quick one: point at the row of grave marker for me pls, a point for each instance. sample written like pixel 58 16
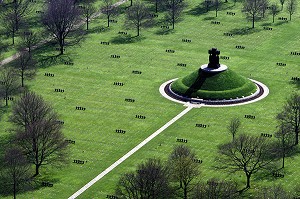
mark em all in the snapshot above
pixel 70 141
pixel 78 161
pixel 47 184
pixel 266 135
pixel 80 108
pixel 118 83
pixel 201 125
pixel 181 140
pixel 250 116
pixel 9 98
pixel 296 78
pixel 59 90
pixel 49 74
pixel 129 100
pixel 120 131
pixel 140 117
pixel 111 197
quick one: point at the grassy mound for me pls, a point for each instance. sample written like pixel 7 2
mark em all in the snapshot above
pixel 204 85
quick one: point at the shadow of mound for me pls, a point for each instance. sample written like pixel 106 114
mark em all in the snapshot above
pixel 126 39
pixel 209 18
pixel 244 31
pixel 198 10
pixel 164 31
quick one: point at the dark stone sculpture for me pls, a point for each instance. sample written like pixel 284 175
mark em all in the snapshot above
pixel 213 58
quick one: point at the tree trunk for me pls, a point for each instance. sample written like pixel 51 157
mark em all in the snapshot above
pixel 107 20
pixel 37 170
pixel 248 181
pixel 6 98
pixel 15 189
pixel 185 192
pixel 156 6
pixel 296 135
pixel 87 23
pixel 273 18
pixel 290 17
pixel 253 19
pixel 216 13
pixel 22 78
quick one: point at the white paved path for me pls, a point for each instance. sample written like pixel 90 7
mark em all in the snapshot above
pixel 132 151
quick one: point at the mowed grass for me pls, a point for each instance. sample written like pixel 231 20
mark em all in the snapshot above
pixel 89 83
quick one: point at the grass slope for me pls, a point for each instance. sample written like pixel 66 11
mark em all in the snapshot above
pixel 204 85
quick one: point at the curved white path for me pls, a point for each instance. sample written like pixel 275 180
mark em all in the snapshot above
pixel 132 151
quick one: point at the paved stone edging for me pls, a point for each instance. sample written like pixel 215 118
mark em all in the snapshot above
pixel 261 93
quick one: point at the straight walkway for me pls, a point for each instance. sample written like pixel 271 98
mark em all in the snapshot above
pixel 132 151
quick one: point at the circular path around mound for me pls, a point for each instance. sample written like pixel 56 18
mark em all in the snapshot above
pixel 262 92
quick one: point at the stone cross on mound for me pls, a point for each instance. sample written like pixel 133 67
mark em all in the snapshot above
pixel 213 58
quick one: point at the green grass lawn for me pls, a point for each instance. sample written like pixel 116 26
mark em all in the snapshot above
pixel 89 83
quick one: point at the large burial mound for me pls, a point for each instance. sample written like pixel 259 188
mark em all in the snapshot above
pixel 213 81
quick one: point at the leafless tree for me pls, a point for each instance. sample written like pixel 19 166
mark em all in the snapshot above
pixel 253 9
pixel 25 67
pixel 16 169
pixel 60 18
pixel 149 181
pixel 290 116
pixel 109 10
pixel 285 140
pixel 8 83
pixel 291 7
pixel 9 24
pixel 87 10
pixel 157 3
pixel 282 3
pixel 216 189
pixel 274 10
pixel 245 153
pixel 274 192
pixel 174 10
pixel 265 7
pixel 184 169
pixel 217 5
pixel 207 4
pixel 29 40
pixel 138 16
pixel 234 126
pixel 38 131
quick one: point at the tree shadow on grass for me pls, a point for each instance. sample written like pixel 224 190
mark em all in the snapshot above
pixel 244 31
pixel 126 39
pixel 296 83
pixel 198 10
pixel 98 29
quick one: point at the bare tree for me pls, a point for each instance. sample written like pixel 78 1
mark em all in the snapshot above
pixel 245 153
pixel 274 10
pixel 253 9
pixel 149 181
pixel 16 171
pixel 29 40
pixel 216 189
pixel 234 126
pixel 217 5
pixel 282 3
pixel 8 83
pixel 138 16
pixel 88 9
pixel 109 10
pixel 184 170
pixel 9 24
pixel 25 67
pixel 174 10
pixel 291 115
pixel 157 3
pixel 274 192
pixel 60 18
pixel 38 131
pixel 291 7
pixel 207 4
pixel 285 140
